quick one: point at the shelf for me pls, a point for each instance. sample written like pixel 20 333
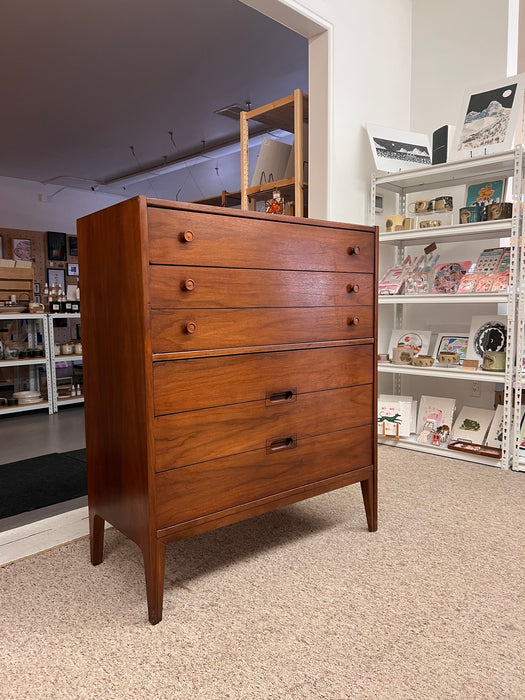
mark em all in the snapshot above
pixel 66 358
pixel 411 443
pixel 484 230
pixel 70 400
pixel 23 362
pixel 24 407
pixel 443 373
pixel 21 317
pixel 75 314
pixel 449 174
pixel 491 298
pixel 279 114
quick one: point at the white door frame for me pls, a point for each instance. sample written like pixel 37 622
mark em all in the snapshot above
pixel 319 33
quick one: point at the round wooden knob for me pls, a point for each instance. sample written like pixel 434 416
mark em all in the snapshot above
pixel 188 236
pixel 352 288
pixel 189 285
pixel 191 327
pixel 353 321
pixel 354 250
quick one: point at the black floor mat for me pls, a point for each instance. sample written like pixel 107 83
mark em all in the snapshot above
pixel 42 481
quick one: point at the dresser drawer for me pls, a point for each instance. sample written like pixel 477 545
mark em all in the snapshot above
pixel 196 436
pixel 229 241
pixel 209 487
pixel 203 329
pixel 216 287
pixel 185 385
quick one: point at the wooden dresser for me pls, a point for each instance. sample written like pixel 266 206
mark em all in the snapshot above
pixel 229 368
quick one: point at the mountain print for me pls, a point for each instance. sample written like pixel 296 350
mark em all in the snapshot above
pixel 488 126
pixel 488 117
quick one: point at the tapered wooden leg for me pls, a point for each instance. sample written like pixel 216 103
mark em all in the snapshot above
pixel 154 562
pixel 368 489
pixel 96 537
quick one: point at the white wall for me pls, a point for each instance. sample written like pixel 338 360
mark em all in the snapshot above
pixel 455 45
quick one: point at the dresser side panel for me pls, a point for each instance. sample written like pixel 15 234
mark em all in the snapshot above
pixel 117 373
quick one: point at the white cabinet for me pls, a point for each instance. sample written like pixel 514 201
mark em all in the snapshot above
pixel 399 311
pixel 25 373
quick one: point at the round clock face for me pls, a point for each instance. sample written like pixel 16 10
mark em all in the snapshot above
pixel 491 336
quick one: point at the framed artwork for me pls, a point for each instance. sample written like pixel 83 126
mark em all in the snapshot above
pixel 395 150
pixel 488 117
pixel 495 434
pixel 394 415
pixel 72 269
pixel 485 193
pixel 419 341
pixel 36 288
pixel 486 333
pixel 472 424
pixel 436 409
pixel 522 433
pixel 56 246
pixel 73 246
pixel 450 342
pixel 22 249
pixel 55 277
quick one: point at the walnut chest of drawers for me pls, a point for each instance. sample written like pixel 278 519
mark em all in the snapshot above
pixel 229 368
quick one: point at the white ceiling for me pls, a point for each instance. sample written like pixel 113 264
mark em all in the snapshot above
pixel 84 80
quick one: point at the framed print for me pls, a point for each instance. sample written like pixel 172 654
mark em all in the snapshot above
pixel 488 118
pixel 72 269
pixel 395 150
pixel 22 249
pixel 55 277
pixel 73 246
pixel 485 193
pixel 472 424
pixel 495 434
pixel 486 333
pixel 419 341
pixel 394 416
pixel 437 410
pixel 56 246
pixel 450 342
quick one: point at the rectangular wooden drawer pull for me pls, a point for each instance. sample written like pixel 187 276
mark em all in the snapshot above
pixel 280 444
pixel 274 397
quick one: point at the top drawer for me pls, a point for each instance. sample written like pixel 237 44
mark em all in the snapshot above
pixel 193 238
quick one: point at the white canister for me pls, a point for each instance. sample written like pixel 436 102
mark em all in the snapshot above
pixel 78 348
pixel 57 350
pixel 67 349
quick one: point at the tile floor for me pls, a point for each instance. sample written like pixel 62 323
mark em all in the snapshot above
pixel 30 435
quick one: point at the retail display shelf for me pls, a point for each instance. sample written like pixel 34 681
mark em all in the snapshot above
pixel 23 362
pixel 64 401
pixel 494 298
pixel 67 358
pixel 484 230
pixel 24 407
pixel 442 372
pixel 411 443
pixel 486 167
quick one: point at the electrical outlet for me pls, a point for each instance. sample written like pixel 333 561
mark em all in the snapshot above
pixel 476 389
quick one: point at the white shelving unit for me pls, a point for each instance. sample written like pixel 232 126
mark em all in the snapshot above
pixel 54 359
pixel 36 323
pixel 505 165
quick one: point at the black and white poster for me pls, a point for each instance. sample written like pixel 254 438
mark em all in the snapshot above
pixel 398 150
pixel 488 118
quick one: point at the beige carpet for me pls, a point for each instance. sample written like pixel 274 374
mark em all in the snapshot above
pixel 299 603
